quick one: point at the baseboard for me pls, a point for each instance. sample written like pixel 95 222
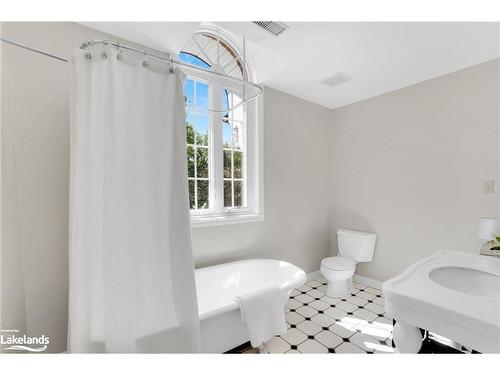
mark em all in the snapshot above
pixel 367 281
pixel 357 278
pixel 313 275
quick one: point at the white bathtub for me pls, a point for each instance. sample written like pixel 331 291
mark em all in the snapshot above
pixel 221 326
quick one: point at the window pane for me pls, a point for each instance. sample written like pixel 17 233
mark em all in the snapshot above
pixel 190 161
pixel 225 99
pixel 225 105
pixel 228 194
pixel 227 164
pixel 205 49
pixel 190 129
pixel 237 164
pixel 191 194
pixel 193 60
pixel 227 135
pixel 238 196
pixel 202 162
pixel 189 92
pixel 237 133
pixel 202 194
pixel 202 130
pixel 201 95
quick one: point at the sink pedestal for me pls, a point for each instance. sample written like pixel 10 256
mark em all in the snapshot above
pixel 408 338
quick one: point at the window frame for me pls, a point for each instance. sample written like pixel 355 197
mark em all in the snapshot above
pixel 216 214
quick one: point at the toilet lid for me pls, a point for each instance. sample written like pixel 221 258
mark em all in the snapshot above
pixel 338 263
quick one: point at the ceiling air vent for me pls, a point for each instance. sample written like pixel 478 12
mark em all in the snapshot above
pixel 273 27
pixel 336 80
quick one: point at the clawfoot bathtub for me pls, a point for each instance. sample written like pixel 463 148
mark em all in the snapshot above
pixel 221 326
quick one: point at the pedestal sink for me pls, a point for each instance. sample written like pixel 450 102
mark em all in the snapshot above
pixel 453 294
pixel 468 281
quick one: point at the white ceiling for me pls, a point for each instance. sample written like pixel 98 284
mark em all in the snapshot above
pixel 379 57
pixel 163 36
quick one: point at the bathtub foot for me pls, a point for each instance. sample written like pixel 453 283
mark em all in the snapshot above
pixel 263 349
pixel 408 338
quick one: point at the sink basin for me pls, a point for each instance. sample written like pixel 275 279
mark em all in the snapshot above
pixel 467 280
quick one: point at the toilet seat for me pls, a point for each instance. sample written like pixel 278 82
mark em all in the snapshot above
pixel 338 263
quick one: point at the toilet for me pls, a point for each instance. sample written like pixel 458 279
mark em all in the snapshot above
pixel 354 247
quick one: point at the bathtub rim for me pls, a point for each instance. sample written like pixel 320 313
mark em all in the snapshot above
pixel 286 288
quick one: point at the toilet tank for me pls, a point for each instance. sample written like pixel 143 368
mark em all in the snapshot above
pixel 355 245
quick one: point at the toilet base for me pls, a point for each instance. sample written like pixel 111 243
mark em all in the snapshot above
pixel 339 288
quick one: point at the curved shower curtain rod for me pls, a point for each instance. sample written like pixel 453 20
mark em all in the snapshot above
pixel 171 60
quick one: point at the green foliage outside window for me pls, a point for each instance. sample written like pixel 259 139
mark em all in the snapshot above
pixel 198 158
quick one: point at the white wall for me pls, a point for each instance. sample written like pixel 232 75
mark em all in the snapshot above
pixel 409 165
pixel 296 226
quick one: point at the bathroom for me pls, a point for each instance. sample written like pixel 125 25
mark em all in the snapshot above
pixel 316 189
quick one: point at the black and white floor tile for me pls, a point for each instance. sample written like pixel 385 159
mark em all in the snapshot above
pixel 320 324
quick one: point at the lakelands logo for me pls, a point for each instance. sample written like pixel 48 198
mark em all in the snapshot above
pixel 10 340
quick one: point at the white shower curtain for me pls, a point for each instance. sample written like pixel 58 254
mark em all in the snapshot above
pixel 131 270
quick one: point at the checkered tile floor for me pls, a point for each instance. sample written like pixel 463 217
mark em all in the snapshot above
pixel 320 324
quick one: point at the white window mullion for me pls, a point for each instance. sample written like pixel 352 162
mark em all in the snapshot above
pixel 244 160
pixel 250 174
pixel 217 153
pixel 195 151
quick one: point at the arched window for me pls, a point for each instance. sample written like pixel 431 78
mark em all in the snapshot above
pixel 222 144
pixel 213 53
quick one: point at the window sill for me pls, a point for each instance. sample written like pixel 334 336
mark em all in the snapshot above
pixel 210 221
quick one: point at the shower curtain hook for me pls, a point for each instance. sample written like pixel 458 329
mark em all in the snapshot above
pixel 88 55
pixel 104 55
pixel 145 62
pixel 119 56
pixel 171 65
